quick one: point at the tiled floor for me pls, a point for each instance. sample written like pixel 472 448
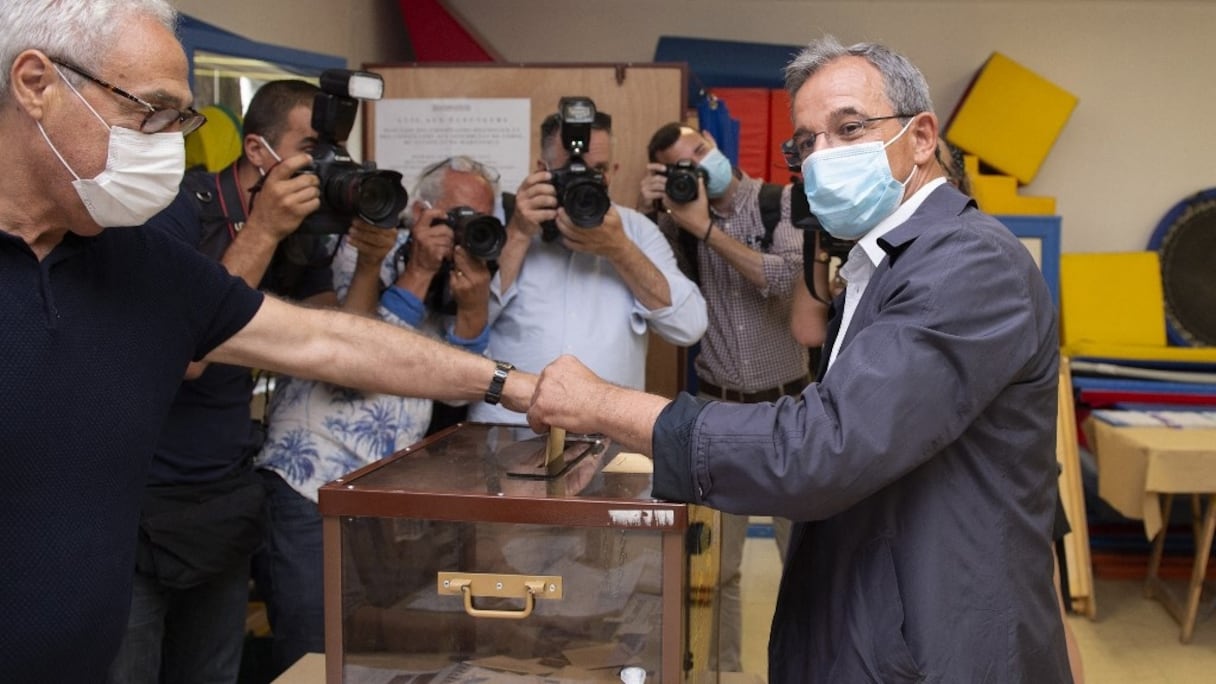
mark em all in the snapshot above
pixel 1133 639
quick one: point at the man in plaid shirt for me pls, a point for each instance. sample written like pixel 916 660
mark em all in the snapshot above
pixel 747 276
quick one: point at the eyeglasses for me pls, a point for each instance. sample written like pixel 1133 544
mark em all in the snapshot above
pixel 797 149
pixel 158 118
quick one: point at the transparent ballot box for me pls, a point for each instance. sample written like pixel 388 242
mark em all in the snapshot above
pixel 470 558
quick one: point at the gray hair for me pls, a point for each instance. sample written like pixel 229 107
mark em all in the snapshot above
pixel 430 181
pixel 77 31
pixel 904 84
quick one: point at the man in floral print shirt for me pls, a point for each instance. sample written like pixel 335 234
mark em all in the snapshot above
pixel 318 432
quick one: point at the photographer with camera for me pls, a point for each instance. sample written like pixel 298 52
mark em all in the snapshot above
pixel 736 237
pixel 202 509
pixel 580 274
pixel 318 432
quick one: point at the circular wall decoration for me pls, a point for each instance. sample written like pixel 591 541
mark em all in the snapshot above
pixel 1186 242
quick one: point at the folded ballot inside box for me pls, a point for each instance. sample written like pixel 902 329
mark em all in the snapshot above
pixel 471 554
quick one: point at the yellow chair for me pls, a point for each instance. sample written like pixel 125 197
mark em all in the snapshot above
pixel 217 144
pixel 1112 307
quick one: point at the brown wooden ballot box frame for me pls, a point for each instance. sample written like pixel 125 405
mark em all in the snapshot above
pixel 379 491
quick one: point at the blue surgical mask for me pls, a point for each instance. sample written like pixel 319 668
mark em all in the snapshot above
pixel 851 189
pixel 717 166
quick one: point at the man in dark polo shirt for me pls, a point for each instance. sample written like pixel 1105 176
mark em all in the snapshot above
pixel 98 325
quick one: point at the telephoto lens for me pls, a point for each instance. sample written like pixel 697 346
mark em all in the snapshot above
pixel 376 196
pixel 349 190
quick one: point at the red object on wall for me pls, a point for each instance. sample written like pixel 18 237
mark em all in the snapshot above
pixel 437 36
pixel 750 107
pixel 764 123
pixel 780 129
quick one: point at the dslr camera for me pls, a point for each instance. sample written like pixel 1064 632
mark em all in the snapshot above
pixel 801 217
pixel 348 188
pixel 481 235
pixel 682 180
pixel 581 190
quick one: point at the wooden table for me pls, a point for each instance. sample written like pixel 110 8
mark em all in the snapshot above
pixel 1140 470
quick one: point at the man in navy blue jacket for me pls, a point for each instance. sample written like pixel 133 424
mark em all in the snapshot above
pixel 920 469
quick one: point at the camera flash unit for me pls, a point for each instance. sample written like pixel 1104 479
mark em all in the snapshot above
pixel 361 85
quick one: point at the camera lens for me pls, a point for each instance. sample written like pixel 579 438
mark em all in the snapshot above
pixel 483 236
pixel 375 196
pixel 586 202
pixel 380 199
pixel 681 186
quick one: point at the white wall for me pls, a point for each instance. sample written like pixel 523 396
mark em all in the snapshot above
pixel 359 30
pixel 1138 142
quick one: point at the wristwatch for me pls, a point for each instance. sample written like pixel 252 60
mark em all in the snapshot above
pixel 494 393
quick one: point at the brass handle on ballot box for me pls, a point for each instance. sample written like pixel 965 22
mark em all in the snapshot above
pixel 489 585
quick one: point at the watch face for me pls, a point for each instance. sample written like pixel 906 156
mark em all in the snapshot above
pixel 494 393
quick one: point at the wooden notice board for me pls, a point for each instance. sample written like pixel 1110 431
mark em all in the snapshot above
pixel 640 98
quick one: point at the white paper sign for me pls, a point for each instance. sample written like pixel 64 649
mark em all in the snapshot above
pixel 412 134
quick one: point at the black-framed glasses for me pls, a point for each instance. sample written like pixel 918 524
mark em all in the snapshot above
pixel 798 148
pixel 158 118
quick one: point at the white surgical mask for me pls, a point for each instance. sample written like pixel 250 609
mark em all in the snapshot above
pixel 142 175
pixel 717 167
pixel 851 189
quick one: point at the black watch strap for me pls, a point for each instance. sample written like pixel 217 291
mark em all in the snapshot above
pixel 494 393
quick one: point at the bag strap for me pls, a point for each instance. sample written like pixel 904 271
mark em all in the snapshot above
pixel 770 211
pixel 508 207
pixel 211 193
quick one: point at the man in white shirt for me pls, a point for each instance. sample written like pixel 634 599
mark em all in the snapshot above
pixel 591 292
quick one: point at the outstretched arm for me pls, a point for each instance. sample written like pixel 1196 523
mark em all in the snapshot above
pixel 570 396
pixel 365 354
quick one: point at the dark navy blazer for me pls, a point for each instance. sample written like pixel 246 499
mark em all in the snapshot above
pixel 922 468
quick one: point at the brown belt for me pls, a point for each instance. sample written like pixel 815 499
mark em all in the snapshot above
pixel 789 389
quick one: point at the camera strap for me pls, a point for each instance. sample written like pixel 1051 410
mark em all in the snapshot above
pixel 212 197
pixel 508 207
pixel 228 188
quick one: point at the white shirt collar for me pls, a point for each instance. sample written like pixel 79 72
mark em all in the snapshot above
pixel 869 241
